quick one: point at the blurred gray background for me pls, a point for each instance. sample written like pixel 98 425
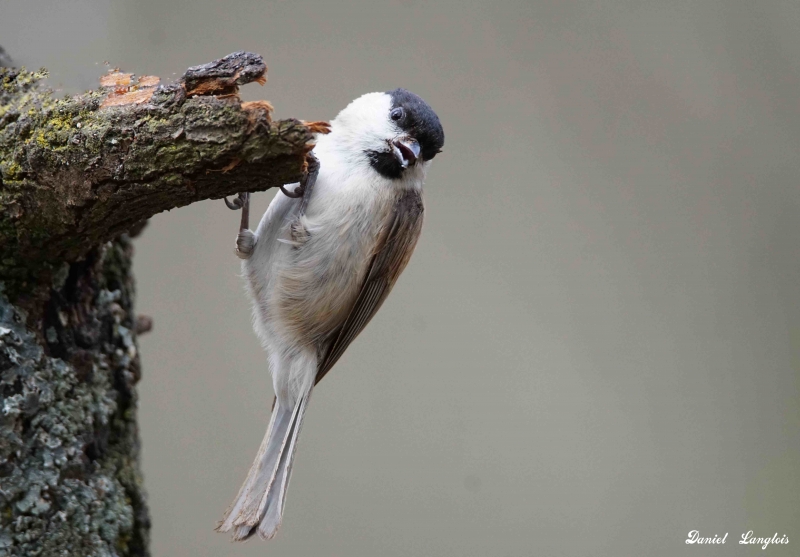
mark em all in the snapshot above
pixel 596 347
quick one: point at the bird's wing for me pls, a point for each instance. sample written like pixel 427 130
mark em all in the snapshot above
pixel 396 245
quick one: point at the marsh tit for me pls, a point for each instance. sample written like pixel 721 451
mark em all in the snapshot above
pixel 318 268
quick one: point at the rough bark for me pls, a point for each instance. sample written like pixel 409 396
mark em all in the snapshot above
pixel 76 175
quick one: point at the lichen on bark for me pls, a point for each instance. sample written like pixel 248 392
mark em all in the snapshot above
pixel 69 447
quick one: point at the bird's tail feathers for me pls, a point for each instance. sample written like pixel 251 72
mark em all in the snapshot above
pixel 261 500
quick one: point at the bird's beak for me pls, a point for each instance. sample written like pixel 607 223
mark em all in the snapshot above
pixel 406 149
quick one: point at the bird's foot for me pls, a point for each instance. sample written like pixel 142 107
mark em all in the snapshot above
pixel 245 244
pixel 310 173
pixel 298 191
pixel 238 202
pixel 245 240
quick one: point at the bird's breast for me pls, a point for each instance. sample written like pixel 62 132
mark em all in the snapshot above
pixel 332 246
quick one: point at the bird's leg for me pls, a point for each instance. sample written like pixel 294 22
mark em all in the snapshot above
pixel 309 179
pixel 310 173
pixel 245 222
pixel 245 240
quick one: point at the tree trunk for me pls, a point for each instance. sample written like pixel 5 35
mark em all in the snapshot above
pixel 78 177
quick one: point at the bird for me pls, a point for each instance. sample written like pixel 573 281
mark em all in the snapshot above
pixel 320 264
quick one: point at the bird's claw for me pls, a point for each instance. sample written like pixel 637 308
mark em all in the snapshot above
pixel 237 203
pixel 294 194
pixel 310 173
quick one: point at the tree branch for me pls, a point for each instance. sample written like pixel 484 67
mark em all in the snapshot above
pixel 75 173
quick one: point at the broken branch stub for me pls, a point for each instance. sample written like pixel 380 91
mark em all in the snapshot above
pixel 226 75
pixel 76 172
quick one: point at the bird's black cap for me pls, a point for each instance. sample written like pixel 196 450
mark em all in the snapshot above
pixel 419 121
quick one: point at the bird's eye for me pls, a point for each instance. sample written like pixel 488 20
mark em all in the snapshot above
pixel 397 113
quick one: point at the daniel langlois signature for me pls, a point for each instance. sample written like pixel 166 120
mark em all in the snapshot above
pixel 747 538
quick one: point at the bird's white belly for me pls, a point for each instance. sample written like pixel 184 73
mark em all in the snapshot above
pixel 326 265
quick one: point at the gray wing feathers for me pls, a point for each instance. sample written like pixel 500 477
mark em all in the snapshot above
pixel 396 247
pixel 366 306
